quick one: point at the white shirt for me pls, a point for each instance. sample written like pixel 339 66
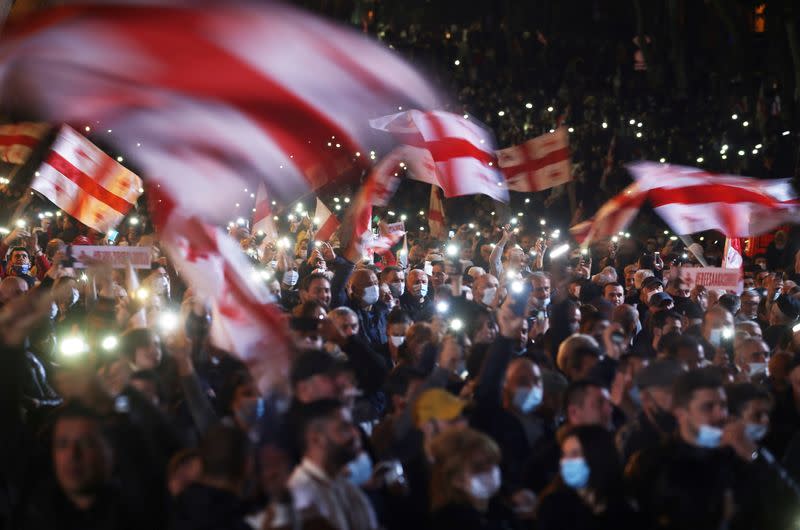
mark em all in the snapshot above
pixel 338 501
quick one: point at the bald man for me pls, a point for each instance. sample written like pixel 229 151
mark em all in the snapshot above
pixel 371 311
pixel 417 301
pixel 485 291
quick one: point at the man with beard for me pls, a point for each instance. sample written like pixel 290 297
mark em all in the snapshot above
pixel 318 486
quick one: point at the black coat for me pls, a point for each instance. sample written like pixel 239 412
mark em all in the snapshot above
pixel 465 517
pixel 201 507
pixel 562 509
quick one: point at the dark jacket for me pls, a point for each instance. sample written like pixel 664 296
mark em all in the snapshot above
pixel 637 435
pixel 464 517
pixel 562 509
pixel 49 509
pixel 418 311
pixel 202 507
pixel 371 322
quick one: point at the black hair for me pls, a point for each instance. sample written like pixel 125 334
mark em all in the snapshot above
pixel 690 382
pixel 575 393
pixel 313 412
pixel 398 316
pixel 600 453
pixel 133 339
pixel 685 341
pixel 224 451
pixel 305 283
pixel 659 318
pixel 19 249
pixel 612 284
pixel 740 394
pixel 228 390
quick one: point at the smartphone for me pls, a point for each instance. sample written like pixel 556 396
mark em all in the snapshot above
pixel 112 235
pixel 428 268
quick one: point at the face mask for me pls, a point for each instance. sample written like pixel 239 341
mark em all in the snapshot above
pixel 488 295
pixel 290 278
pixel 575 472
pixel 546 302
pixel 484 485
pixel 709 436
pixel 360 469
pixel 528 398
pixel 21 269
pixel 715 337
pixel 76 294
pixel 755 431
pixel 757 368
pixel 420 289
pixel 371 294
pixel 53 311
pixel 273 264
pixel 397 289
pixel 397 340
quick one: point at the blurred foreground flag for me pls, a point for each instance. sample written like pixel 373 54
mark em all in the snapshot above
pixel 209 98
pixel 693 200
pixel 17 140
pixel 461 150
pixel 78 177
pixel 613 217
pixel 538 164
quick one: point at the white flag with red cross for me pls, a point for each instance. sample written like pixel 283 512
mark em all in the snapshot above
pixel 538 164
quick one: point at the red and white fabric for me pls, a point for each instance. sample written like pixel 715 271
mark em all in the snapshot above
pixel 693 200
pixel 244 319
pixel 613 217
pixel 461 149
pixel 207 97
pixel 78 177
pixel 17 140
pixel 262 217
pixel 538 164
pixel 327 222
pixel 732 253
pixel 436 214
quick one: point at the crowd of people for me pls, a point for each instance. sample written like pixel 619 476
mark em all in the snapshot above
pixel 479 381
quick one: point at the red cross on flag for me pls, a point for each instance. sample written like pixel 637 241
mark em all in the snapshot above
pixel 17 140
pixel 262 218
pixel 327 222
pixel 436 214
pixel 538 164
pixel 85 182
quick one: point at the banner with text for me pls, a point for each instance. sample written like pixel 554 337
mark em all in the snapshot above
pixel 712 278
pixel 117 257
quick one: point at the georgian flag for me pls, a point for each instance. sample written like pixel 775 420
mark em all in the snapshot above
pixel 262 217
pixel 327 222
pixel 17 140
pixel 538 164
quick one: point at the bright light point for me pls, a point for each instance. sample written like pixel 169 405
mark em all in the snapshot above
pixel 513 220
pixel 638 135
pixel 138 144
pixel 501 113
pixel 492 213
pixel 252 195
pixel 338 207
pixel 615 239
pixel 527 201
pixel 422 212
pixel 542 222
pixel 549 109
pixel 632 122
pixel 119 159
pixel 724 157
pixel 266 275
pixel 73 346
pixel 666 232
pixel 298 208
pixel 520 214
pixel 571 130
pixel 699 159
pixel 347 199
pixel 604 125
pixel 745 123
pixel 403 217
pixel 734 116
pixel 456 324
pixel 528 105
pixel 275 217
pixel 673 238
pixel 516 286
pixel 134 221
pixel 290 217
pixel 466 116
pixel 109 131
pixel 662 160
pixel 457 62
pixel 639 124
pixel 358 153
pixel 142 293
pixel 740 153
pixel 755 151
pixel 421 228
pixel 338 146
pixel 558 251
pixel 390 212
pixel 168 322
pixel 725 147
pixel 109 343
pixel 785 133
pixel 759 146
pixel 20 223
pixel 552 130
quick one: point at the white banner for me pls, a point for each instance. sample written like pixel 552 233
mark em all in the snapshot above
pixel 117 257
pixel 712 278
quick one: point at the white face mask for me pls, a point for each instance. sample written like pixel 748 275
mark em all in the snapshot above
pixel 397 340
pixel 371 294
pixel 76 294
pixel 290 278
pixel 546 302
pixel 715 337
pixel 273 264
pixel 483 486
pixel 420 289
pixel 53 311
pixel 757 368
pixel 397 289
pixel 488 295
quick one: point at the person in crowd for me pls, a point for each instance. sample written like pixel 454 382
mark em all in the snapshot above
pixel 614 293
pixel 370 311
pixel 589 490
pixel 748 311
pixel 417 300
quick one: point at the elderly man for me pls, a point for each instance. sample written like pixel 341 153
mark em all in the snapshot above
pixel 748 310
pixel 417 301
pixel 750 358
pixel 371 311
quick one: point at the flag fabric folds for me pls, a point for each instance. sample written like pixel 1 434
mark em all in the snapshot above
pixel 461 149
pixel 538 164
pixel 17 140
pixel 85 182
pixel 327 222
pixel 262 217
pixel 693 200
pixel 207 98
pixel 436 214
pixel 613 217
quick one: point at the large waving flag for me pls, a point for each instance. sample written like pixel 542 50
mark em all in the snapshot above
pixel 436 214
pixel 78 177
pixel 262 217
pixel 693 200
pixel 613 217
pixel 461 149
pixel 327 222
pixel 209 98
pixel 538 164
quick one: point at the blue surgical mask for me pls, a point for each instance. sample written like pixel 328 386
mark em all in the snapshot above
pixel 360 469
pixel 709 437
pixel 528 398
pixel 755 431
pixel 575 472
pixel 21 269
